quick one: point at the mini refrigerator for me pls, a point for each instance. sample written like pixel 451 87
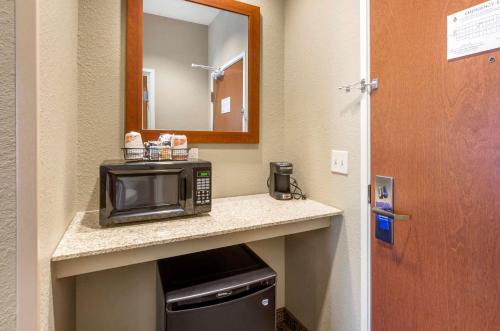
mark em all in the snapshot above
pixel 225 289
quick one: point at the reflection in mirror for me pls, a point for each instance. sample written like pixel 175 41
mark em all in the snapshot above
pixel 194 67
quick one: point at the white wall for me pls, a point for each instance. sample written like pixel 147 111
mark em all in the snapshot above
pixel 8 159
pixel 321 53
pixel 182 96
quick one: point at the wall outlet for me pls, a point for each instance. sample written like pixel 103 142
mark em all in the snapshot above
pixel 340 162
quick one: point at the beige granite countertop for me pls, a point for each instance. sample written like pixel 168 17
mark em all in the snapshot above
pixel 84 236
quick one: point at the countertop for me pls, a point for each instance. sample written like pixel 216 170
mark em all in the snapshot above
pixel 84 237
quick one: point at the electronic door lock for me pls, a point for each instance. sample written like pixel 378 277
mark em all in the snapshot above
pixel 382 192
pixel 384 209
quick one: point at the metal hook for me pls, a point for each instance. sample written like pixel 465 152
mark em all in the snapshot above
pixel 362 85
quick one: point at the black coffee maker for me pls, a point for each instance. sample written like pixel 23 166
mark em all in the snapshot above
pixel 279 180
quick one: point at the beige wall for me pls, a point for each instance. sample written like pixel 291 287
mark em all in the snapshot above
pixel 82 103
pixel 237 169
pixel 81 116
pixel 326 297
pixel 101 92
pixel 121 299
pixel 243 169
pixel 227 38
pixel 57 131
pixel 27 154
pixel 321 53
pixel 124 299
pixel 182 97
pixel 8 173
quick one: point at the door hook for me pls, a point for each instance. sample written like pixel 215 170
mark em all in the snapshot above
pixel 362 85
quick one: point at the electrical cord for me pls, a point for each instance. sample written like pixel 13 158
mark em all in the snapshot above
pixel 296 191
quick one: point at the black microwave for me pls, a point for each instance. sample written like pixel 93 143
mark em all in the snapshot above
pixel 143 191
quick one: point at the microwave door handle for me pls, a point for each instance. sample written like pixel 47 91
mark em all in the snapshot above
pixel 183 188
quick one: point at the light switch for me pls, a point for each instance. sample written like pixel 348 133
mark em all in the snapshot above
pixel 340 162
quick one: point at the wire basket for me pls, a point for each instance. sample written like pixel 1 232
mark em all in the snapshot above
pixel 134 154
pixel 156 153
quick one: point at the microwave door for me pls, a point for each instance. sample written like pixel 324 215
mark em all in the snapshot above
pixel 160 194
pixel 139 193
pixel 156 189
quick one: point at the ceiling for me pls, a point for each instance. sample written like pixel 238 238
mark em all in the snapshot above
pixel 181 10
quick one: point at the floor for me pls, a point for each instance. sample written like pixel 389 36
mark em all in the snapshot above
pixel 282 327
pixel 287 322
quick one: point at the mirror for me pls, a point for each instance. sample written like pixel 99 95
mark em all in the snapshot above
pixel 195 69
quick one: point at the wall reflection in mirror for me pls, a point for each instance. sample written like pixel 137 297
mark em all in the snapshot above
pixel 194 67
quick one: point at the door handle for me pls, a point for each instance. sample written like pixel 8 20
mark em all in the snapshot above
pixel 396 217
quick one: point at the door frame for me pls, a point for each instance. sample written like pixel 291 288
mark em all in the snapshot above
pixel 150 76
pixel 365 175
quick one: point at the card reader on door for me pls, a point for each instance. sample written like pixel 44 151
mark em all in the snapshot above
pixel 384 200
pixel 384 205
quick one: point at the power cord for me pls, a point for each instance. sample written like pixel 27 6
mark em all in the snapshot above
pixel 296 191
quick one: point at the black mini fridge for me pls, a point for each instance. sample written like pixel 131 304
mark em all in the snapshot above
pixel 225 289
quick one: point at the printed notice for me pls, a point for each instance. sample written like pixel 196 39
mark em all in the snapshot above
pixel 474 30
pixel 225 105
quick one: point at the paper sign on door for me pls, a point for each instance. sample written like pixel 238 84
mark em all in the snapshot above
pixel 225 105
pixel 474 30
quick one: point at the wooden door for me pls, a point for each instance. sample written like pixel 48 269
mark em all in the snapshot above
pixel 436 130
pixel 229 89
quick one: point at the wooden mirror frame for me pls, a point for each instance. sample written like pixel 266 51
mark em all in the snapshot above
pixel 134 68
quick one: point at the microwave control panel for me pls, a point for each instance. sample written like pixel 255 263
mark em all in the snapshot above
pixel 203 186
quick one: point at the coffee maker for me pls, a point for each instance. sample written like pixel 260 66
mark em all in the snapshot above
pixel 279 180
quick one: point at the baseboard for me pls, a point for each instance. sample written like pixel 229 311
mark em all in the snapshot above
pixel 280 315
pixel 286 321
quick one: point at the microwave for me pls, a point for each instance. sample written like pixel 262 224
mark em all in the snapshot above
pixel 144 191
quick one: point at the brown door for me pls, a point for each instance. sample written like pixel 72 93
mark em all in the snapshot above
pixel 436 130
pixel 228 99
